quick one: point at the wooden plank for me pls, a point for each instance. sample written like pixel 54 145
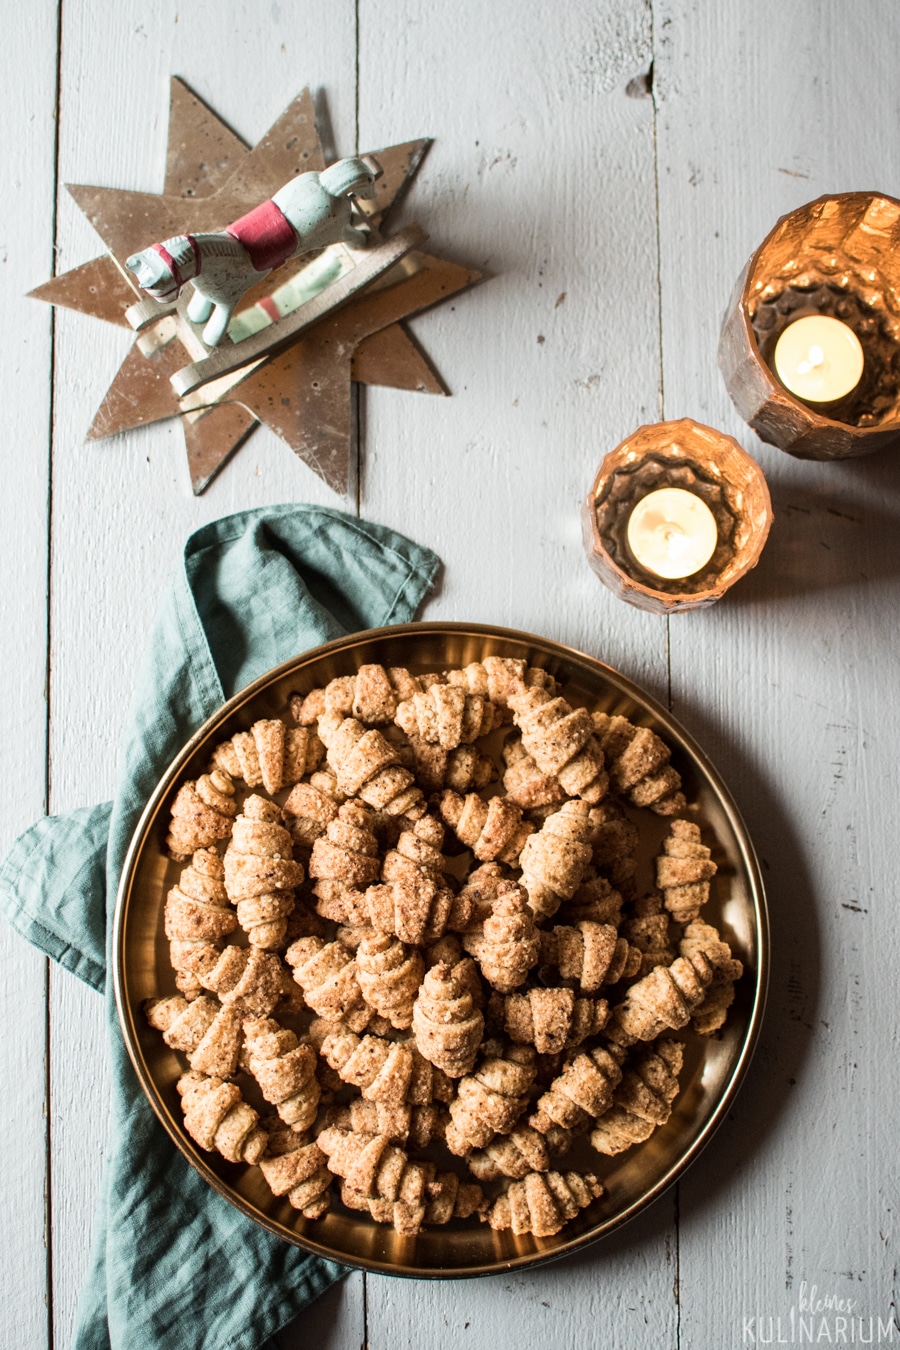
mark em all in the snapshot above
pixel 123 508
pixel 541 173
pixel 336 1321
pixel 27 168
pixel 786 684
pixel 617 1293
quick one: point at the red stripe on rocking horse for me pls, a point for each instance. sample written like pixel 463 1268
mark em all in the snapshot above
pixel 268 306
pixel 266 234
pixel 170 263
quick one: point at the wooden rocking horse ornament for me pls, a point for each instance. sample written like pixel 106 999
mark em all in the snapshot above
pixel 224 342
pixel 310 212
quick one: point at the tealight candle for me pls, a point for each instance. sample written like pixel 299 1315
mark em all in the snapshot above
pixel 672 533
pixel 677 513
pixel 836 256
pixel 819 359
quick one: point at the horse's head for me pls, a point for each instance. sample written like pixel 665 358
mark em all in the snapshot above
pixel 152 273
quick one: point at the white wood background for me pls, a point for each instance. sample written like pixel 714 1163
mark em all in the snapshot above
pixel 615 226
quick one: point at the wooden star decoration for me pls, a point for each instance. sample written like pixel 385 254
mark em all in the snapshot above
pixel 298 384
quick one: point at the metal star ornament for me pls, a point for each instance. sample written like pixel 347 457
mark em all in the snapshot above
pixel 298 338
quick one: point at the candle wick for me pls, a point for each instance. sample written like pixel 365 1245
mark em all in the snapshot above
pixel 816 358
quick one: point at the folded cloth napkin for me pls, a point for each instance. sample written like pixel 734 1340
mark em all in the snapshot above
pixel 175 1267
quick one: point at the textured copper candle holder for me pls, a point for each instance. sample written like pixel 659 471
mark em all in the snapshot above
pixel 837 256
pixel 688 455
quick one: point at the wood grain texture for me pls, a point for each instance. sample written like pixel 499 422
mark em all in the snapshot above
pixel 27 98
pixel 336 1321
pixel 602 313
pixel 123 508
pixel 620 1292
pixel 542 173
pixel 759 110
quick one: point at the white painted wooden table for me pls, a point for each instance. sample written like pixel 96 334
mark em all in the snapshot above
pixel 615 225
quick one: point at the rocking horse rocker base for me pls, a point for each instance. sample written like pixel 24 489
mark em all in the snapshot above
pixel 226 360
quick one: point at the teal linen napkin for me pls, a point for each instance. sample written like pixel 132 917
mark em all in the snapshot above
pixel 175 1267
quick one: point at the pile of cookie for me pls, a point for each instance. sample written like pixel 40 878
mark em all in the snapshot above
pixel 408 922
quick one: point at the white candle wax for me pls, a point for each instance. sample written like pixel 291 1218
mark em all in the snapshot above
pixel 819 358
pixel 672 533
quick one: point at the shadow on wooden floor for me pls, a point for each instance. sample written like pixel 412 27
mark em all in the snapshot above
pixel 791 1017
pixel 836 527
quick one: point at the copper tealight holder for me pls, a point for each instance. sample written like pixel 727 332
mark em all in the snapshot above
pixel 683 454
pixel 836 256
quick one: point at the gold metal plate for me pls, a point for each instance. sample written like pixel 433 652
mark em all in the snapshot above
pixel 713 1068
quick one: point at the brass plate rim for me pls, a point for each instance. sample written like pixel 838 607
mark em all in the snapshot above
pixel 564 655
